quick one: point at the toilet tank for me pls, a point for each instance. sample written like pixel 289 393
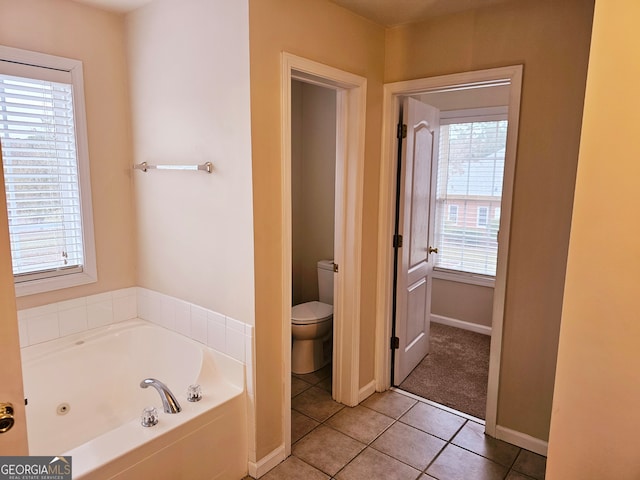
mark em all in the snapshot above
pixel 325 281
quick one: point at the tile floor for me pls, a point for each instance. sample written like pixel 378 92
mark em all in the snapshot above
pixel 392 436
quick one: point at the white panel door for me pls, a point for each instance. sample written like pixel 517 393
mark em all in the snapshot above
pixel 417 193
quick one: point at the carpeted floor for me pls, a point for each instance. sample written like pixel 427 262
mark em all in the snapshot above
pixel 455 372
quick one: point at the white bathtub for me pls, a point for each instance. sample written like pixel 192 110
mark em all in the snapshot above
pixel 85 400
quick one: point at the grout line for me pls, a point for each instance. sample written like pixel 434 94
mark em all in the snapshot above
pixel 367 445
pixel 450 441
pixel 468 418
pixel 447 443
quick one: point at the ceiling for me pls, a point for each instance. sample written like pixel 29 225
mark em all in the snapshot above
pixel 397 12
pixel 383 12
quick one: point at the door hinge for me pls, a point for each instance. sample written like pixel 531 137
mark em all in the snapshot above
pixel 335 267
pixel 397 241
pixel 402 130
pixel 395 343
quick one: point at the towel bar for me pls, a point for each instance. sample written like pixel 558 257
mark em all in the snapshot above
pixel 144 166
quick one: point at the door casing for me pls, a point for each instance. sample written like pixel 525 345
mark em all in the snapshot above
pixel 386 211
pixel 351 93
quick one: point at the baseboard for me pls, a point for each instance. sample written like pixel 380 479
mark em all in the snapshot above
pixel 522 440
pixel 454 322
pixel 262 466
pixel 367 390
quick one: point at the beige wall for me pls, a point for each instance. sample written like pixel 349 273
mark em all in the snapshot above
pixel 69 29
pixel 325 33
pixel 595 421
pixel 551 39
pixel 189 70
pixel 313 168
pixel 462 301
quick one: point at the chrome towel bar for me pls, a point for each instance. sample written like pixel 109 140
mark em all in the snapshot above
pixel 144 166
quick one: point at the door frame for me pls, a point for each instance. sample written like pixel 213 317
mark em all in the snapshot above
pixel 391 95
pixel 351 91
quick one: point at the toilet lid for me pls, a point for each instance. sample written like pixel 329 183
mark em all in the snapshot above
pixel 311 312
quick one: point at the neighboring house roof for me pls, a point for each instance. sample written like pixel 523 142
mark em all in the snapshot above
pixel 477 176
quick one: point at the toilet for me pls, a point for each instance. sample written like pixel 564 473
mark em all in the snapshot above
pixel 312 326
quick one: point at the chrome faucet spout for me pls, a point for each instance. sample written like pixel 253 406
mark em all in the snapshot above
pixel 169 401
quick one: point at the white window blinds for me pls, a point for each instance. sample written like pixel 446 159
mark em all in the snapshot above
pixel 469 183
pixel 40 160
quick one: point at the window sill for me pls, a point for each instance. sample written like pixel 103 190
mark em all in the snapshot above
pixel 462 277
pixel 43 285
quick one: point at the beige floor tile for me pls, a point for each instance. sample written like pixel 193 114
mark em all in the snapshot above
pixel 326 384
pixel 301 425
pixel 372 464
pixel 472 437
pixel 530 464
pixel 327 449
pixel 513 475
pixel 316 403
pixel 361 423
pixel 294 469
pixel 390 403
pixel 315 377
pixel 409 445
pixel 298 386
pixel 433 420
pixel 455 463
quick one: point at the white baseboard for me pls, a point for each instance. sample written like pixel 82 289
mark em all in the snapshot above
pixel 522 440
pixel 367 390
pixel 454 322
pixel 262 466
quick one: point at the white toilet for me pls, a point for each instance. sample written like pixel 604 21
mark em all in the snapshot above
pixel 312 326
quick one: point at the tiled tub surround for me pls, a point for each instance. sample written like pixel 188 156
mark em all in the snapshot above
pixel 48 322
pixel 55 320
pixel 57 328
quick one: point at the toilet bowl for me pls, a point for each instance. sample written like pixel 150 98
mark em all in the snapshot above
pixel 311 329
pixel 312 326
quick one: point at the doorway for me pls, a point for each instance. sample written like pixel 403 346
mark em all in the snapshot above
pixel 448 210
pixel 470 83
pixel 313 205
pixel 350 93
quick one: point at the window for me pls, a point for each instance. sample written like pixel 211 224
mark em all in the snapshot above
pixel 469 180
pixel 453 214
pixel 45 160
pixel 483 216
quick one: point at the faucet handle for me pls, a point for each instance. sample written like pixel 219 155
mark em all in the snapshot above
pixel 194 393
pixel 149 417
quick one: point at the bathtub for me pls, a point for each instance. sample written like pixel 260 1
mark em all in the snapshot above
pixel 84 400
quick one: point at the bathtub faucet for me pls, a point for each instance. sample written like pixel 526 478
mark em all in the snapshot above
pixel 169 402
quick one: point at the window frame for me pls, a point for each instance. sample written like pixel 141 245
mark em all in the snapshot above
pixel 470 115
pixel 89 273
